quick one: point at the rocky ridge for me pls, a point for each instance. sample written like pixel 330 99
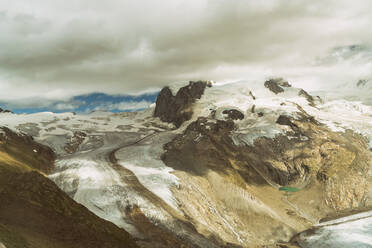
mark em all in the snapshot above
pixel 331 169
pixel 218 179
pixel 177 109
pixel 35 213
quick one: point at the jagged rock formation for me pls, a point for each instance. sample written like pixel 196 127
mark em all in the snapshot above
pixel 308 97
pixel 362 82
pixel 233 114
pixel 177 109
pixel 275 85
pixel 5 111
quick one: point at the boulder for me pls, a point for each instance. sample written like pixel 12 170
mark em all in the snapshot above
pixel 233 114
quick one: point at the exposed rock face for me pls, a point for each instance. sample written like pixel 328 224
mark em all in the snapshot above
pixel 275 85
pixel 177 109
pixel 286 121
pixel 362 82
pixel 233 114
pixel 75 142
pixel 25 149
pixel 5 111
pixel 283 83
pixel 308 97
pixel 332 171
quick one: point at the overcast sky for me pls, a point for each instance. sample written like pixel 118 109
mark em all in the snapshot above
pixel 57 49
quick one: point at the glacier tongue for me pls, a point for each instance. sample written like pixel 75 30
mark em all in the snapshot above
pixel 87 174
pixel 351 232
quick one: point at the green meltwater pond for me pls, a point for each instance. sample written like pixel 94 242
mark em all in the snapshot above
pixel 289 189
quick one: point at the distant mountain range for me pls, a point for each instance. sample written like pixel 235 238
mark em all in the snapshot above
pixel 90 102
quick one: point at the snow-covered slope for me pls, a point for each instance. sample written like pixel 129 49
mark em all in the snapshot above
pixel 333 108
pixel 86 174
pixel 352 232
pixel 112 162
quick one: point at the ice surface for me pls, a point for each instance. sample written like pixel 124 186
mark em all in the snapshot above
pixel 87 175
pixel 352 232
pixel 144 161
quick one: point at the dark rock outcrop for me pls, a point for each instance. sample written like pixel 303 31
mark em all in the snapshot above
pixel 5 111
pixel 208 133
pixel 309 153
pixel 233 114
pixel 286 121
pixel 273 86
pixel 308 97
pixel 178 109
pixel 362 82
pixel 276 84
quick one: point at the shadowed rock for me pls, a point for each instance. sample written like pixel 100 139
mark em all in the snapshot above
pixel 273 86
pixel 5 111
pixel 286 121
pixel 233 114
pixel 178 109
pixel 308 97
pixel 362 82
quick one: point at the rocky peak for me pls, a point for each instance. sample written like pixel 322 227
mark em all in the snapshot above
pixel 362 82
pixel 233 114
pixel 275 85
pixel 308 97
pixel 177 109
pixel 5 111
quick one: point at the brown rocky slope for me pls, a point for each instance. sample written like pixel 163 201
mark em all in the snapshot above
pixel 35 213
pixel 233 190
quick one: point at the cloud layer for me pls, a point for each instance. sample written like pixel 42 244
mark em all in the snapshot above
pixel 52 50
pixel 85 104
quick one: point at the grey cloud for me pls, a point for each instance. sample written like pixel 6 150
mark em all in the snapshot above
pixel 60 50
